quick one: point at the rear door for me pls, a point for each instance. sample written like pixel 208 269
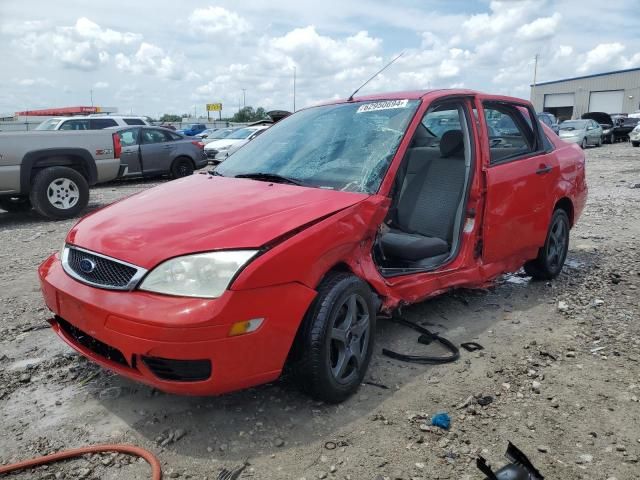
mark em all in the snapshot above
pixel 520 177
pixel 157 149
pixel 130 154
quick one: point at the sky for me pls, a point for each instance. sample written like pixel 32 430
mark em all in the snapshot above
pixel 155 57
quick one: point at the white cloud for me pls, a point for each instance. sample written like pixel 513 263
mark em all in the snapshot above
pixel 100 85
pixel 540 28
pixel 150 59
pixel 30 82
pixel 216 21
pixel 603 55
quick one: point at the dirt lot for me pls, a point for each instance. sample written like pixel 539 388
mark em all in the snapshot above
pixel 561 365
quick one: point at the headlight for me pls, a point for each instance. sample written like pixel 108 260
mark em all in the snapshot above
pixel 225 147
pixel 637 129
pixel 203 275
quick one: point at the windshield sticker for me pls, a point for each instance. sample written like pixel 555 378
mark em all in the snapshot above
pixel 386 105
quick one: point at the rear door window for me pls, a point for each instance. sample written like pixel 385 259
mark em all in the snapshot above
pixel 510 132
pixel 100 123
pixel 151 135
pixel 128 138
pixel 75 125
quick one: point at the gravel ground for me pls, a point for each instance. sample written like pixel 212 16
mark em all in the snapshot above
pixel 559 375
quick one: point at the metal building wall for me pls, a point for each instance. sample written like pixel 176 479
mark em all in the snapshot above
pixel 629 81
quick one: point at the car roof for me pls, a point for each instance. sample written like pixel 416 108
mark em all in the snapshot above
pixel 432 94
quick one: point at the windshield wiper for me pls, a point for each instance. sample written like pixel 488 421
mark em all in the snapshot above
pixel 270 177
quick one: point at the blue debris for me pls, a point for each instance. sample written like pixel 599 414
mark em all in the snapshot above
pixel 441 420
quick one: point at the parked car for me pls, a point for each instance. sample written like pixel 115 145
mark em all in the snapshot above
pixel 52 171
pixel 582 132
pixel 193 129
pixel 210 135
pixel 218 150
pixel 623 125
pixel 288 252
pixel 605 121
pixel 550 120
pixel 90 122
pixel 153 151
pixel 167 125
pixel 634 136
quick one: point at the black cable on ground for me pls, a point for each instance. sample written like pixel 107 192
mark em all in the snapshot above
pixel 425 338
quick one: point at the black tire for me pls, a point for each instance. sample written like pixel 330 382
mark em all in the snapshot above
pixel 599 144
pixel 182 167
pixel 584 144
pixel 552 255
pixel 322 344
pixel 59 193
pixel 15 204
pixel 635 144
pixel 612 139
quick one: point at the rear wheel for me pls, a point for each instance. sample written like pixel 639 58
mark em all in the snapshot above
pixel 59 192
pixel 552 255
pixel 182 167
pixel 583 144
pixel 337 339
pixel 15 204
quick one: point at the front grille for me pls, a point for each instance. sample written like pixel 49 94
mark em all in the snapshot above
pixel 178 370
pixel 96 346
pixel 98 270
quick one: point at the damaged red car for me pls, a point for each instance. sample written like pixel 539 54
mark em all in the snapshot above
pixel 288 252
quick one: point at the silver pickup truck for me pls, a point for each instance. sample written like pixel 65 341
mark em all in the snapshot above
pixel 52 171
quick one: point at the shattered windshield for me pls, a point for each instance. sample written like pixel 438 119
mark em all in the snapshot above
pixel 343 147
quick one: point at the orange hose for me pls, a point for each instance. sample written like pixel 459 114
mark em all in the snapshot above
pixel 151 459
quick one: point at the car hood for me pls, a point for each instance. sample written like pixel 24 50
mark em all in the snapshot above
pixel 222 142
pixel 203 213
pixel 600 117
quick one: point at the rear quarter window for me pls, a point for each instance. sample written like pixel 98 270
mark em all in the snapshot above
pixel 133 121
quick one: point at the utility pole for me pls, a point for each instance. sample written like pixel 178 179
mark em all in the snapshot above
pixel 91 94
pixel 535 75
pixel 294 89
pixel 244 98
pixel 194 112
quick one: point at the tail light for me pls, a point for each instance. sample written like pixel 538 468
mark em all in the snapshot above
pixel 117 146
pixel 198 144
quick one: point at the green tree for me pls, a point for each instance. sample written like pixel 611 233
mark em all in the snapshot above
pixel 168 117
pixel 248 114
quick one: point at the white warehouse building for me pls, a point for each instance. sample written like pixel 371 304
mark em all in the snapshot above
pixel 610 92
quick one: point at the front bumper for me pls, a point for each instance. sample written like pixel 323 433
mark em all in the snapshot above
pixel 137 334
pixel 634 136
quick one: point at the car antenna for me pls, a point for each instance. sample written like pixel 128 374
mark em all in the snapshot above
pixel 350 99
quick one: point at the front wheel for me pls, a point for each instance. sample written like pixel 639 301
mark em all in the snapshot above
pixel 59 192
pixel 15 204
pixel 635 144
pixel 337 339
pixel 583 144
pixel 552 255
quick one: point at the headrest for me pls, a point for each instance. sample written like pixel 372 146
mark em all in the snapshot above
pixel 451 143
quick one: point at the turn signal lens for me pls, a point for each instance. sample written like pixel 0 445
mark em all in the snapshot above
pixel 247 326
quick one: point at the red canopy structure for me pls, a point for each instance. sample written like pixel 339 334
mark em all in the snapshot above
pixel 62 111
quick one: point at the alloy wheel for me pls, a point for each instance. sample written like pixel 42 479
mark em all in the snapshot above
pixel 349 339
pixel 558 243
pixel 63 193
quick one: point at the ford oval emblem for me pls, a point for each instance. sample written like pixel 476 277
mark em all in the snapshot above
pixel 87 265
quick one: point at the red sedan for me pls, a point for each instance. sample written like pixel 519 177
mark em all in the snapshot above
pixel 287 252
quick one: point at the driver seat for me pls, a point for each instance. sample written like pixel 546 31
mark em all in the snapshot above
pixel 421 234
